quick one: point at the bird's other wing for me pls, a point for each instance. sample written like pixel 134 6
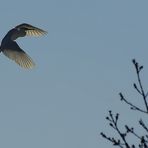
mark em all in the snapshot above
pixel 30 30
pixel 16 54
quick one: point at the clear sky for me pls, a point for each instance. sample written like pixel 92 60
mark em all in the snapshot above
pixel 82 65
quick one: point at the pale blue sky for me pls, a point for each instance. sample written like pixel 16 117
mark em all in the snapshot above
pixel 82 64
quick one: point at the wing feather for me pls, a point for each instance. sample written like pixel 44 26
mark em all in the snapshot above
pixel 20 57
pixel 31 30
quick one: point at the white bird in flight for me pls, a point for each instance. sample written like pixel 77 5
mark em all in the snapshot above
pixel 11 49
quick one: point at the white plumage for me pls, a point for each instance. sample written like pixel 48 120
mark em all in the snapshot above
pixel 11 49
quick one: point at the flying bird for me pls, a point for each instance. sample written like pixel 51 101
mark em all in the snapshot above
pixel 11 49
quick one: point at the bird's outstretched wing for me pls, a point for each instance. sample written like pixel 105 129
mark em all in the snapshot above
pixel 25 30
pixel 16 54
pixel 30 30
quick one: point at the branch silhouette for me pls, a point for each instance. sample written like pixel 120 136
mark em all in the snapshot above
pixel 139 88
pixel 123 140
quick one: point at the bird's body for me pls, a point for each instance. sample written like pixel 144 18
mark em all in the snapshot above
pixel 12 50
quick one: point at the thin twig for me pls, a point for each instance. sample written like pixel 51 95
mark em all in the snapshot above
pixel 130 104
pixel 138 69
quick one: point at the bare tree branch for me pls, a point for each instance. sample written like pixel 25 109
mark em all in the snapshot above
pixel 123 141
